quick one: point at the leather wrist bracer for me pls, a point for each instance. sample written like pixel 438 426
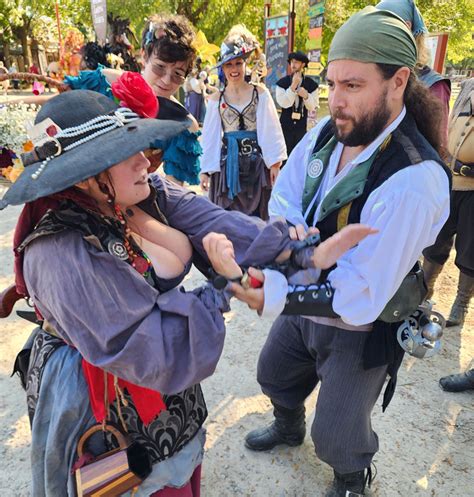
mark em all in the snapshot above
pixel 311 300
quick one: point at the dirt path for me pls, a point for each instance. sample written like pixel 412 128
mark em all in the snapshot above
pixel 426 435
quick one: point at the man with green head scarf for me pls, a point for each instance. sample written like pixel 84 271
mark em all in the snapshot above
pixel 374 161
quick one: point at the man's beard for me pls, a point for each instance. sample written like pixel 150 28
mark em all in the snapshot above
pixel 367 128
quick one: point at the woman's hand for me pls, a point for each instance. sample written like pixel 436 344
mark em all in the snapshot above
pixel 328 252
pixel 253 297
pixel 205 181
pixel 274 171
pixel 220 251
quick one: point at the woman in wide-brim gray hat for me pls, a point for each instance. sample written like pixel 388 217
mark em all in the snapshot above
pixel 101 249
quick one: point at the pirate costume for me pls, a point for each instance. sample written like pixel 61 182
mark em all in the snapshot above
pixel 342 337
pixel 240 144
pixel 294 113
pixel 117 343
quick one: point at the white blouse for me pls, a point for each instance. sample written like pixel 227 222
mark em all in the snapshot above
pixel 288 98
pixel 408 210
pixel 269 134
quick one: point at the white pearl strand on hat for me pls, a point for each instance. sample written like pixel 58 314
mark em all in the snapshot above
pixel 103 124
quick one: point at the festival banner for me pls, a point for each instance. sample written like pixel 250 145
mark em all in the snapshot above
pixel 314 44
pixel 316 22
pixel 276 49
pixel 315 37
pixel 99 19
pixel 316 10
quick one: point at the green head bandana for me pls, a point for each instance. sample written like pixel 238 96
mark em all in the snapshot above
pixel 376 36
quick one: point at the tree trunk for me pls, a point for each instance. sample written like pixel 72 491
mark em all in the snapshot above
pixel 6 53
pixel 23 36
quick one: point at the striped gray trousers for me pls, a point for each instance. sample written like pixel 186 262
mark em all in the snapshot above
pixel 299 354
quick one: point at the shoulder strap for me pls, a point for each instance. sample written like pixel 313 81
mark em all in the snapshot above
pixel 324 136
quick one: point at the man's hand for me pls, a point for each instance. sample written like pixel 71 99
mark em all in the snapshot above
pixel 253 297
pixel 296 80
pixel 220 251
pixel 204 181
pixel 328 252
pixel 274 172
pixel 302 93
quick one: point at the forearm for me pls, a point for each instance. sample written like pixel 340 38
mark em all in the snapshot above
pixel 255 241
pixel 312 101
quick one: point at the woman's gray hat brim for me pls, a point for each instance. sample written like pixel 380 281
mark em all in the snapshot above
pixel 227 58
pixel 90 158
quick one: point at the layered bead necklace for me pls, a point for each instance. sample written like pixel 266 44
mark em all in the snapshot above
pixel 140 262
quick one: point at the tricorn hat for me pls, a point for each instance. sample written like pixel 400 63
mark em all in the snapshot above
pixel 299 55
pixel 90 134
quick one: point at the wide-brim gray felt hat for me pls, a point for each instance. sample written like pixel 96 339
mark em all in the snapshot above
pixel 95 134
pixel 238 50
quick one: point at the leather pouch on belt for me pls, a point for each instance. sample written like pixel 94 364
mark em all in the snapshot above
pixel 408 297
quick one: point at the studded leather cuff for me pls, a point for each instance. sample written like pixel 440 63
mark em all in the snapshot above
pixel 312 300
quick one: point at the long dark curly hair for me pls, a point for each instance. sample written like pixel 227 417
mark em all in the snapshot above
pixel 425 108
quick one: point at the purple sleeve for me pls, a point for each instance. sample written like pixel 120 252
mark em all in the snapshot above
pixel 442 91
pixel 255 241
pixel 103 307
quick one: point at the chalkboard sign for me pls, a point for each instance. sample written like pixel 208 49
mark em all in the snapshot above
pixel 276 50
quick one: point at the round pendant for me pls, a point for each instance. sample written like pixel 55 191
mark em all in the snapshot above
pixel 117 248
pixel 315 168
pixel 140 264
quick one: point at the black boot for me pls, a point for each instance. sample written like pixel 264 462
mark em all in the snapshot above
pixel 458 382
pixel 288 428
pixel 350 484
pixel 431 272
pixel 461 304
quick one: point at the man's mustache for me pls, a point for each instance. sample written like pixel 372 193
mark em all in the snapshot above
pixel 341 115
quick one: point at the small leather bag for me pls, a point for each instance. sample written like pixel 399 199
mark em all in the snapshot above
pixel 407 298
pixel 114 472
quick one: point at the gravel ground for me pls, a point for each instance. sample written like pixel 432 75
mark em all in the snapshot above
pixel 426 435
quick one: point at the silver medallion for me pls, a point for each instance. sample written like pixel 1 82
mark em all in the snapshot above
pixel 315 168
pixel 118 249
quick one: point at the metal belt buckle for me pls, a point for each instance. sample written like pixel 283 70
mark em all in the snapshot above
pixel 464 170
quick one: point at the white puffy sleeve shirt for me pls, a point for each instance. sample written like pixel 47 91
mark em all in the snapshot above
pixel 287 98
pixel 408 210
pixel 269 134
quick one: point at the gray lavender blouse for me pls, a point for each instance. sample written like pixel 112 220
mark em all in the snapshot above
pixel 117 321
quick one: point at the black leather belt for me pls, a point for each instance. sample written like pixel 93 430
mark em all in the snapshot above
pixel 463 169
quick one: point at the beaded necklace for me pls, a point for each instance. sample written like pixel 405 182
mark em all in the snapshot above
pixel 141 262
